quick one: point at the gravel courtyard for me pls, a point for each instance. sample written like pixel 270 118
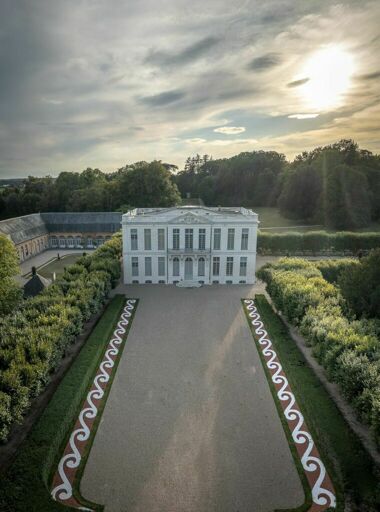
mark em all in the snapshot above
pixel 190 424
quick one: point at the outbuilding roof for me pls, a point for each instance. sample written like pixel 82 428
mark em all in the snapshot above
pixel 21 229
pixel 35 285
pixel 86 222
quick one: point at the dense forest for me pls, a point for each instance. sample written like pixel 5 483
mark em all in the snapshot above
pixel 336 185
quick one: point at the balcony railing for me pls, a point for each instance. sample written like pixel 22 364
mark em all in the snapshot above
pixel 182 250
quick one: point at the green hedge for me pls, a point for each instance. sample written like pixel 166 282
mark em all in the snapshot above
pixel 316 242
pixel 331 269
pixel 348 349
pixel 35 337
pixel 25 486
pixel 348 463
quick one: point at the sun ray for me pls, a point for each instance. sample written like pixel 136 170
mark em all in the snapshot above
pixel 329 74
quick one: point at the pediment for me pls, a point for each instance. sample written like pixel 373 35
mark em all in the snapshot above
pixel 190 218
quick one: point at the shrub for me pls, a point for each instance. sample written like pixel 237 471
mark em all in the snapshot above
pixel 316 242
pixel 36 336
pixel 348 349
pixel 331 269
pixel 360 285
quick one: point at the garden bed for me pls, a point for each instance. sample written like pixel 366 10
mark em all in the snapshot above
pixel 354 474
pixel 25 485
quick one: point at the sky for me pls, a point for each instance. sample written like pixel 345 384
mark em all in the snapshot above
pixel 103 83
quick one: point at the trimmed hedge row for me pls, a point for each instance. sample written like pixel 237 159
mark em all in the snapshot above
pixel 34 338
pixel 348 349
pixel 25 485
pixel 316 242
pixel 331 269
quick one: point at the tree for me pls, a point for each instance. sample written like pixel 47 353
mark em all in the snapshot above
pixel 10 292
pixel 360 286
pixel 346 198
pixel 301 191
pixel 147 184
pixel 9 261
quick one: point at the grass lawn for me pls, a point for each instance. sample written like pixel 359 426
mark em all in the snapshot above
pixel 272 218
pixel 349 465
pixel 25 485
pixel 58 266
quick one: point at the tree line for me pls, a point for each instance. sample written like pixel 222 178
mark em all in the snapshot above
pixel 337 186
pixel 136 185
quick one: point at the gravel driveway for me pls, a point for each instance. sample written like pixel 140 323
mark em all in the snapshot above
pixel 190 424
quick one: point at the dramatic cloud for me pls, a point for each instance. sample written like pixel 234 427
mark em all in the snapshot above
pixel 297 83
pixel 265 62
pixel 302 116
pixel 370 76
pixel 181 58
pixel 102 84
pixel 230 130
pixel 164 98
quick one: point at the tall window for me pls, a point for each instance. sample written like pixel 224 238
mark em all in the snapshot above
pixel 217 233
pixel 231 239
pixel 215 265
pixel 134 239
pixel 202 239
pixel 147 239
pixel 161 239
pixel 175 267
pixel 188 238
pixel 230 266
pixel 161 266
pixel 243 266
pixel 244 239
pixel 176 238
pixel 135 266
pixel 201 267
pixel 148 266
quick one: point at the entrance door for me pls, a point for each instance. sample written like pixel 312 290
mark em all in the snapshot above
pixel 188 269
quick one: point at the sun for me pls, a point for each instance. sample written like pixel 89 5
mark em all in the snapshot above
pixel 328 73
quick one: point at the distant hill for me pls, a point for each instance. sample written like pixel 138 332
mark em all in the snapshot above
pixel 12 182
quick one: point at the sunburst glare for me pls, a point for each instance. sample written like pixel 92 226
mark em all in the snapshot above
pixel 329 74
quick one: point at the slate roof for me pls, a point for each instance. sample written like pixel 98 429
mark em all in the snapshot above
pixel 21 229
pixel 35 285
pixel 86 222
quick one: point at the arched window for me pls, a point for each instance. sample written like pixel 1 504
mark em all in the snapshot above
pixel 188 269
pixel 70 242
pixel 53 241
pixel 175 267
pixel 78 241
pixel 201 267
pixel 62 241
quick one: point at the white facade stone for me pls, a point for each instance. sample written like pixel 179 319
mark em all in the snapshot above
pixel 193 261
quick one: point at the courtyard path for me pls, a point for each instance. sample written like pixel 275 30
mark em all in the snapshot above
pixel 190 424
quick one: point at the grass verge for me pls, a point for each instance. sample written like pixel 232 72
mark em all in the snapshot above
pixel 24 486
pixel 349 465
pixel 76 487
pixel 308 499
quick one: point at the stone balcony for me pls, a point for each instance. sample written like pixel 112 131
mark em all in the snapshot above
pixel 182 253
